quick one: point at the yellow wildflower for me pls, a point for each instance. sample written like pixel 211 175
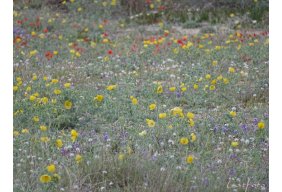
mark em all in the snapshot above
pixel 214 63
pixel 32 98
pixel 172 89
pixel 233 113
pixel 59 143
pixel 208 76
pixel 196 86
pixel 184 141
pixel 134 101
pixel 152 106
pixel 219 78
pixel 183 89
pixel 111 87
pixel 143 133
pixel 15 88
pixel 177 111
pixel 99 98
pixel 74 135
pixel 33 53
pixel 162 115
pixel 231 70
pixel 213 82
pixel 150 123
pixel 51 168
pixel 78 158
pixel 43 128
pixel 191 122
pixel 25 130
pixel 57 91
pixel 68 104
pixel 212 87
pixel 45 178
pixel 234 143
pixel 54 81
pixel 190 115
pixel 261 125
pixel 225 81
pixel 159 89
pixel 44 139
pixel 121 156
pixel 67 85
pixel 16 133
pixel 190 159
pixel 35 118
pixel 193 137
pixel 34 77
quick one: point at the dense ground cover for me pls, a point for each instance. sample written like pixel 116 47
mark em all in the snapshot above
pixel 98 107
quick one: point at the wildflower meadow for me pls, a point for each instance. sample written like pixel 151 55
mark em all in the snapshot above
pixel 117 96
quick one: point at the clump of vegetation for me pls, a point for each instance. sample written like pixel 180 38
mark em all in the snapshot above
pixel 191 24
pixel 208 29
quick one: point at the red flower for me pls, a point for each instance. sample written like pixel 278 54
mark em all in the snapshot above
pixel 45 30
pixel 20 22
pixel 37 22
pixel 180 42
pixel 105 21
pixel 161 8
pixel 110 52
pixel 17 39
pixel 24 43
pixel 79 49
pixel 86 39
pixel 166 34
pixel 49 55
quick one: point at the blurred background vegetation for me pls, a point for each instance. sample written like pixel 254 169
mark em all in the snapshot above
pixel 189 13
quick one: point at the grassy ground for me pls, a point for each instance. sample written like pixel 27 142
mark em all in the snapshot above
pixel 103 106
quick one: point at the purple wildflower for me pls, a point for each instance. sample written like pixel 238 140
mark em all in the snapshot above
pixel 106 136
pixel 255 121
pixel 244 127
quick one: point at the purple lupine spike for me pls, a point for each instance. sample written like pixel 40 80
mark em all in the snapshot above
pixel 205 181
pixel 155 157
pixel 106 136
pixel 232 172
pixel 244 127
pixel 178 94
pixel 224 129
pixel 216 128
pixel 64 151
pixel 255 121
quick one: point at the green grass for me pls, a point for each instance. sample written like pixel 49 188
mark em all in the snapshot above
pixel 119 151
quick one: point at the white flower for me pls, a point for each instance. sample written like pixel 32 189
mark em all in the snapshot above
pixel 170 141
pixel 178 167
